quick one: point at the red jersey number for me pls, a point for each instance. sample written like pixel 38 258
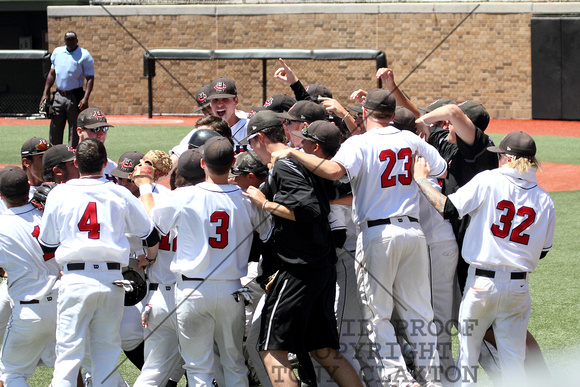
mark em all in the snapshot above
pixel 89 221
pixel 389 156
pixel 36 234
pixel 223 222
pixel 164 243
pixel 517 234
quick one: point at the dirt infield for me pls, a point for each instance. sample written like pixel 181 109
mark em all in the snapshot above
pixel 554 177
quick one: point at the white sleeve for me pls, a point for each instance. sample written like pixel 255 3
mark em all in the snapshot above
pixel 137 221
pixel 436 162
pixel 49 230
pixel 262 222
pixel 472 195
pixel 165 214
pixel 350 156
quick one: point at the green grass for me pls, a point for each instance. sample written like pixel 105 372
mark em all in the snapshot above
pixel 553 149
pixel 120 139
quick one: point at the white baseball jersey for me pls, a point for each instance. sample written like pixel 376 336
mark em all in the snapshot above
pixel 88 218
pixel 240 128
pixel 107 171
pixel 215 225
pixel 31 277
pixel 2 205
pixel 378 164
pixel 512 220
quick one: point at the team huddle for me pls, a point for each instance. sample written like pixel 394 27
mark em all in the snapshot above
pixel 304 243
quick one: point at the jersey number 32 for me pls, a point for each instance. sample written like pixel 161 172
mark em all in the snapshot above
pixel 517 234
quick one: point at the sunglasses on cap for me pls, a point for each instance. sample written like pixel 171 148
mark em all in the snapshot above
pixel 287 121
pixel 97 130
pixel 310 136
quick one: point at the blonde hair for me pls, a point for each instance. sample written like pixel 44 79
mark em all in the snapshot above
pixel 522 164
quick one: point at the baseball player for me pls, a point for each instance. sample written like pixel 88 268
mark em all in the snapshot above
pixel 92 123
pixel 30 335
pixel 392 263
pixel 223 99
pixel 85 221
pixel 32 153
pixel 300 115
pixel 58 164
pixel 215 225
pixel 512 227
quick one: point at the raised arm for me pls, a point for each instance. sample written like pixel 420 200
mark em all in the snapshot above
pixel 330 170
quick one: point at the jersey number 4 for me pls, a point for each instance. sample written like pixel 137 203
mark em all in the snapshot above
pixel 391 158
pixel 223 223
pixel 517 234
pixel 89 221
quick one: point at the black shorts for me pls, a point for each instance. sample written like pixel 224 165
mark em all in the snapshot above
pixel 298 315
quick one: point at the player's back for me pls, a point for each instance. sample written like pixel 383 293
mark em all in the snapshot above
pixel 215 224
pixel 513 222
pixel 88 218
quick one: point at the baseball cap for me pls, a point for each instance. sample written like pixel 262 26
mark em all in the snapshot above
pixel 201 98
pixel 58 154
pixel 476 113
pixel 404 119
pixel 92 118
pixel 322 132
pixel 305 111
pixel 218 151
pixel 13 181
pixel 261 121
pixel 70 35
pixel 357 109
pixel 127 163
pixel 437 104
pixel 200 136
pixel 34 146
pixel 248 162
pixel 517 144
pixel 381 101
pixel 280 103
pixel 222 88
pixel 189 164
pixel 317 90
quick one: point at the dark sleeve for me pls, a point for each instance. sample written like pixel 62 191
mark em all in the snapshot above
pixel 153 238
pixel 300 92
pixel 438 139
pixel 450 212
pixel 339 237
pixel 543 254
pixel 47 250
pixel 295 191
pixel 477 156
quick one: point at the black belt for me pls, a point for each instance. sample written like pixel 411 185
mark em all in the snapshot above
pixel 68 92
pixel 29 302
pixel 191 279
pixel 378 222
pixel 81 266
pixel 491 274
pixel 153 286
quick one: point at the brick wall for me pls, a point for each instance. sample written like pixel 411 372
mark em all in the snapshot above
pixel 487 59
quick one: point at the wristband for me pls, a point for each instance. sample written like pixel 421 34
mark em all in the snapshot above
pixel 423 121
pixel 145 189
pixel 264 204
pixel 346 115
pixel 150 260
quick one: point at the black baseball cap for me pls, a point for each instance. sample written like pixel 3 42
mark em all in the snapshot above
pixel 404 119
pixel 222 88
pixel 280 103
pixel 13 182
pixel 92 118
pixel 476 113
pixel 34 146
pixel 218 151
pixel 322 132
pixel 317 90
pixel 58 154
pixel 261 121
pixel 127 163
pixel 189 164
pixel 517 144
pixel 202 98
pixel 248 162
pixel 381 101
pixel 357 109
pixel 437 104
pixel 305 111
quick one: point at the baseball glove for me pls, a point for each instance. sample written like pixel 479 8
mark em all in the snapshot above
pixel 39 198
pixel 154 164
pixel 137 279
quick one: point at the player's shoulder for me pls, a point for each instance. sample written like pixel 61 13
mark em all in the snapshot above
pixel 285 168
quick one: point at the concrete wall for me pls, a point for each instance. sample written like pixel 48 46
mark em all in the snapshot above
pixel 486 59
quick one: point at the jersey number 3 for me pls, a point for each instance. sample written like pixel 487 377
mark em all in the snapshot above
pixel 89 221
pixel 391 158
pixel 223 223
pixel 517 235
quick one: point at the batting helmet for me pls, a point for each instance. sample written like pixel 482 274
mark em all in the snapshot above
pixel 137 279
pixel 200 136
